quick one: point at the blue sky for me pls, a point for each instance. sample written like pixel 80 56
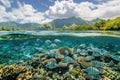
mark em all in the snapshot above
pixel 43 5
pixel 41 11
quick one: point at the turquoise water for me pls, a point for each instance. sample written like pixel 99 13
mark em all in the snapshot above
pixel 15 47
pixel 12 50
pixel 18 50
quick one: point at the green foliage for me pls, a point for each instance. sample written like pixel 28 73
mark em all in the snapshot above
pixel 65 24
pixel 78 28
pixel 113 24
pixel 100 25
pixel 9 29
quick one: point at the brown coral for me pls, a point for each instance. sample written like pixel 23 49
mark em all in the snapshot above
pixel 65 51
pixel 12 71
pixel 25 76
pixel 111 74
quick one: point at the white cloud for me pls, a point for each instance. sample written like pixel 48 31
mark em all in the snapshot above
pixel 85 10
pixel 24 14
pixel 61 9
pixel 110 9
pixel 6 3
pixel 2 13
pixel 27 14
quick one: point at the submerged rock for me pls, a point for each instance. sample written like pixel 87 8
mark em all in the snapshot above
pixel 68 60
pixel 52 55
pixel 78 51
pixel 59 56
pixel 48 60
pixel 63 64
pixel 65 51
pixel 98 64
pixel 86 64
pixel 93 73
pixel 116 57
pixel 89 58
pixel 81 50
pixel 96 52
pixel 51 65
pixel 92 70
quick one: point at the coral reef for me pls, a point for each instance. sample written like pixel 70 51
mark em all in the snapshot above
pixel 78 63
pixel 111 74
pixel 13 71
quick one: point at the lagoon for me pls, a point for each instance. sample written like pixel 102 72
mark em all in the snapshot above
pixel 19 47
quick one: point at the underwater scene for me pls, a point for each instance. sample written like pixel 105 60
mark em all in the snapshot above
pixel 57 55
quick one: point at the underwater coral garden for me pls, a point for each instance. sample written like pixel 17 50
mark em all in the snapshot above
pixel 83 62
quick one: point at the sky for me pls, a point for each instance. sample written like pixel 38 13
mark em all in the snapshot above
pixel 42 11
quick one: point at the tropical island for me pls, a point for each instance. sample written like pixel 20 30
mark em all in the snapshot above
pixel 71 23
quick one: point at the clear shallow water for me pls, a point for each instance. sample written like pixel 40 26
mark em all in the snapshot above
pixel 70 55
pixel 16 47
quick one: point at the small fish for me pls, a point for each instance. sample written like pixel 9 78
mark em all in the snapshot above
pixel 47 41
pixel 57 41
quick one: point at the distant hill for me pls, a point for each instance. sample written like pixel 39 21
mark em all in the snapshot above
pixel 58 23
pixel 26 26
pixel 95 20
pixel 72 23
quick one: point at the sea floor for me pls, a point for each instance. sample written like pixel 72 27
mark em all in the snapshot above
pixel 25 57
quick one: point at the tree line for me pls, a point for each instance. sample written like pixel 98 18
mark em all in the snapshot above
pixel 113 24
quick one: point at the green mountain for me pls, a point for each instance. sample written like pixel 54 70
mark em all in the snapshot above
pixel 66 22
pixel 26 26
pixel 95 20
pixel 71 23
pixel 57 23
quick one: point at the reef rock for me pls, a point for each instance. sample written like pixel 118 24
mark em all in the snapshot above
pixel 93 73
pixel 65 51
pixel 68 59
pixel 51 65
pixel 63 64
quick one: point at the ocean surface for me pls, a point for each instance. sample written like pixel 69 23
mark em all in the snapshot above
pixel 21 46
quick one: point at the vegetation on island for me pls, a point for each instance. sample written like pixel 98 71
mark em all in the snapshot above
pixel 113 24
pixel 9 29
pixel 65 24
